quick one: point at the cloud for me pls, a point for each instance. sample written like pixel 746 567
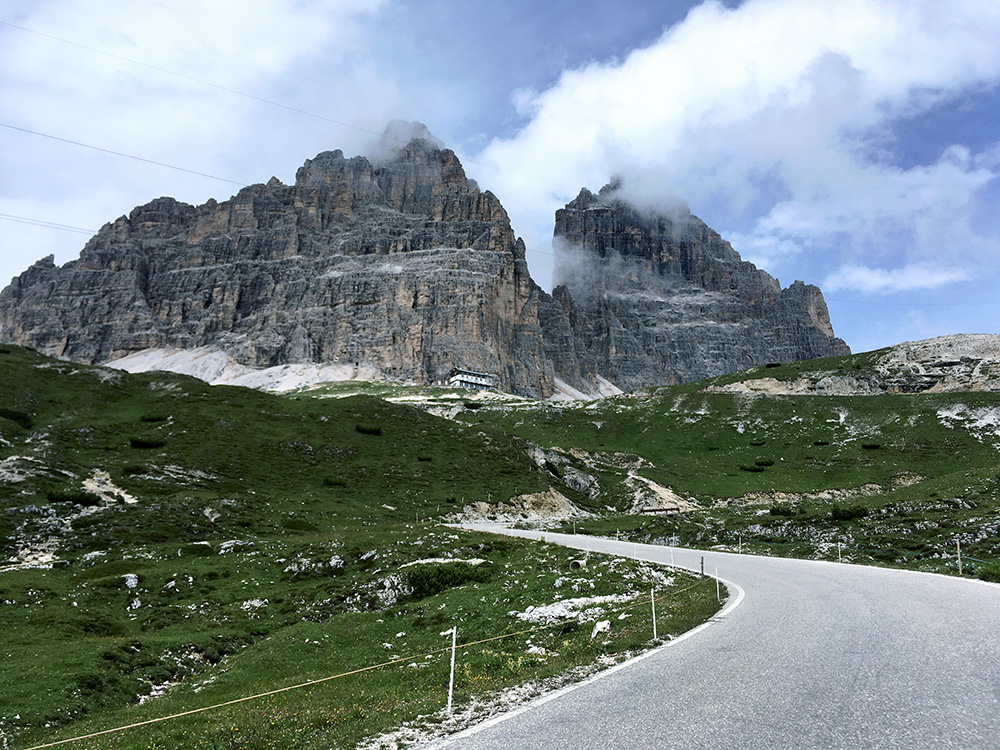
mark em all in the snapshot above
pixel 861 278
pixel 777 118
pixel 311 54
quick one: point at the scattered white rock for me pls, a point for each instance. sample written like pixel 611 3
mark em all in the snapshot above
pixel 440 560
pixel 101 485
pixel 604 626
pixel 579 608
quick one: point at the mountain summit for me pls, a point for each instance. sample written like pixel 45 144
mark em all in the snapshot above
pixel 399 266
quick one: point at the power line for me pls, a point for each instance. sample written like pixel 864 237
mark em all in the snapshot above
pixel 122 154
pixel 201 81
pixel 46 224
pixel 262 100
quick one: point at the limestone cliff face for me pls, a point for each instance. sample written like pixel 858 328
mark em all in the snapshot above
pixel 402 266
pixel 650 299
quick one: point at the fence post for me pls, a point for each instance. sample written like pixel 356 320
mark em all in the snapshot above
pixel 453 632
pixel 652 600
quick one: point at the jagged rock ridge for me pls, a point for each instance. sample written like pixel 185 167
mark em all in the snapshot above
pixel 402 266
pixel 647 298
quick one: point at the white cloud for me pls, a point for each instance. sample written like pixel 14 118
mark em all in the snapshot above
pixel 313 55
pixel 861 278
pixel 776 101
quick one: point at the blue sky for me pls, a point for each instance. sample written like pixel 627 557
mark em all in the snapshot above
pixel 854 145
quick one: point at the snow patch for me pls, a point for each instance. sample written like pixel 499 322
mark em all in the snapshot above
pixel 216 367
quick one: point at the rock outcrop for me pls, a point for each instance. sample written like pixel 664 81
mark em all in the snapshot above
pixel 646 299
pixel 401 266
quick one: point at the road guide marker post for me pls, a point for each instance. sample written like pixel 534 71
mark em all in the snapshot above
pixel 958 545
pixel 453 632
pixel 652 600
pixel 718 592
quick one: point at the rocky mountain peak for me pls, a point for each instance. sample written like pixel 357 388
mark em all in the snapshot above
pixel 656 296
pixel 397 265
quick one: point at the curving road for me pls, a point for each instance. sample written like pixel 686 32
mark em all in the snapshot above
pixel 815 655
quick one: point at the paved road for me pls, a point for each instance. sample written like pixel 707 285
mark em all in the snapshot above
pixel 815 655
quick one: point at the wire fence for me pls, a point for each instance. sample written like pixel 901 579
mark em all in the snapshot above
pixel 640 600
pixel 949 557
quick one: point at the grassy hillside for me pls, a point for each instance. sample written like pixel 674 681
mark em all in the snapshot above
pixel 892 478
pixel 192 544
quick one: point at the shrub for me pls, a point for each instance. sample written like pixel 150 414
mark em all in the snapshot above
pixel 764 462
pixel 427 580
pixel 781 510
pixel 821 442
pixel 752 468
pixel 298 524
pixel 838 513
pixel 989 572
pixel 147 442
pixel 73 495
pixel 870 446
pixel 20 417
pixel 365 429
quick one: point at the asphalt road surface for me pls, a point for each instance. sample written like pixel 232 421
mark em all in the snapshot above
pixel 805 655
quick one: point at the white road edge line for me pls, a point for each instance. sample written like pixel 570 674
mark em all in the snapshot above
pixel 731 604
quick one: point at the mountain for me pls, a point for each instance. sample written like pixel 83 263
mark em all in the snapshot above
pixel 647 298
pixel 400 267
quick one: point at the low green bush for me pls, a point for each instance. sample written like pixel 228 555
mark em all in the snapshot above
pixel 73 495
pixel 427 580
pixel 989 572
pixel 849 513
pixel 17 416
pixel 145 443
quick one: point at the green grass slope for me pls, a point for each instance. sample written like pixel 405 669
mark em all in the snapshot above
pixel 899 479
pixel 165 539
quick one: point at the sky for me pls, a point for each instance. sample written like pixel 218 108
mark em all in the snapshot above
pixel 853 145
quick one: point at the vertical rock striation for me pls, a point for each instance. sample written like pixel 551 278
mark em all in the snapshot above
pixel 404 267
pixel 644 299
